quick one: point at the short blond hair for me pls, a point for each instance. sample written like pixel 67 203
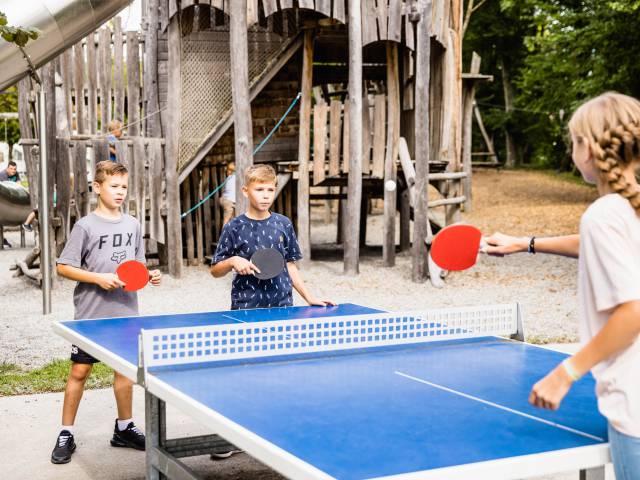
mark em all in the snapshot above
pixel 114 125
pixel 261 173
pixel 107 168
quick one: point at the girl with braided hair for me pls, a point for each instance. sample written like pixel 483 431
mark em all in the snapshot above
pixel 605 132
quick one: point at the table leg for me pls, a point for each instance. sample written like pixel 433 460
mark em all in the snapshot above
pixel 593 474
pixel 155 430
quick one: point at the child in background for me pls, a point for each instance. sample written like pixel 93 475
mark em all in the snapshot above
pixel 114 132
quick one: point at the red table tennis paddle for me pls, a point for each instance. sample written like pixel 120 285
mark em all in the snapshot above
pixel 134 274
pixel 456 247
pixel 269 261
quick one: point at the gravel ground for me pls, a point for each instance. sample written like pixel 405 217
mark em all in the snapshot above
pixel 545 286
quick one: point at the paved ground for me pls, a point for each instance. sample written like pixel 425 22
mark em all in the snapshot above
pixel 29 426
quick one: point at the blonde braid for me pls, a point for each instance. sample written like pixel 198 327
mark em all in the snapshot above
pixel 616 148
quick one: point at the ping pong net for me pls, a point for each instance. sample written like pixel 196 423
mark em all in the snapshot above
pixel 282 338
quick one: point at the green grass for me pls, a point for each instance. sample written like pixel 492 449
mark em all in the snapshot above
pixel 50 378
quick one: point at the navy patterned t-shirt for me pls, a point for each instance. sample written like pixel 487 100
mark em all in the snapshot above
pixel 243 236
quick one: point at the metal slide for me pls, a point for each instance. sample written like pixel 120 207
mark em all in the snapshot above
pixel 62 23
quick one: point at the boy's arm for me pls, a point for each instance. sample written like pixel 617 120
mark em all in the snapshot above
pixel 239 264
pixel 106 281
pixel 301 288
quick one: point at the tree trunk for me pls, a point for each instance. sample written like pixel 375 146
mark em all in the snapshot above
pixel 512 153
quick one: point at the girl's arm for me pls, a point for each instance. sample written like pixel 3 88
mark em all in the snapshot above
pixel 301 288
pixel 620 331
pixel 106 281
pixel 499 244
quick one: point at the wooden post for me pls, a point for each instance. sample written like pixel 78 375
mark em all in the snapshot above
pixel 152 104
pixel 242 123
pixel 118 59
pixel 78 76
pixel 390 168
pixel 26 131
pixel 304 141
pixel 133 84
pixel 420 218
pixel 104 61
pixel 467 129
pixel 92 82
pixel 354 187
pixel 405 220
pixel 174 225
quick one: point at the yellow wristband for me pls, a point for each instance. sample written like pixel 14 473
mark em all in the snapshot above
pixel 570 370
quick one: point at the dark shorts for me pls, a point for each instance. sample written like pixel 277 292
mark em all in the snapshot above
pixel 80 356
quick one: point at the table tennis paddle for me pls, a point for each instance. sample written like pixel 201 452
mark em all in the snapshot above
pixel 456 247
pixel 269 261
pixel 134 274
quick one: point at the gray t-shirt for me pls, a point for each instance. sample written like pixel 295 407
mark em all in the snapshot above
pixel 100 245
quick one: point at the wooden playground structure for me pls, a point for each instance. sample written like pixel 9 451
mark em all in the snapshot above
pixel 380 115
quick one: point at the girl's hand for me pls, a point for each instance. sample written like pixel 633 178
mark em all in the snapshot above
pixel 244 267
pixel 154 277
pixel 549 392
pixel 313 301
pixel 108 281
pixel 500 244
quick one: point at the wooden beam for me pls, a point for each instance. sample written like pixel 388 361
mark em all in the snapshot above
pixel 390 161
pixel 319 141
pixel 78 85
pixel 133 84
pixel 118 60
pixel 467 130
pixel 152 103
pixel 304 142
pixel 92 82
pixel 335 132
pixel 354 188
pixel 242 126
pixel 421 222
pixel 104 69
pixel 174 224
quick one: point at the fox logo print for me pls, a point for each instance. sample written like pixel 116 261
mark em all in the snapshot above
pixel 118 256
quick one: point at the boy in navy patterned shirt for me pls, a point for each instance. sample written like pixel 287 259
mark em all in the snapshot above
pixel 255 230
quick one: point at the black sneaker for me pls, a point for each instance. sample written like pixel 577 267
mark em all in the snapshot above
pixel 65 446
pixel 6 243
pixel 131 437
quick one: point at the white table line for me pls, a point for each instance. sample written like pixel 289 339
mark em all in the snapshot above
pixel 501 407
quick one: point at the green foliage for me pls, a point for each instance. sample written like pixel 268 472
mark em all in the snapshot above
pixel 50 378
pixel 18 35
pixel 559 53
pixel 9 103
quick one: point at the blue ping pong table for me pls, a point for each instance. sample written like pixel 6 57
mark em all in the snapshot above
pixel 350 392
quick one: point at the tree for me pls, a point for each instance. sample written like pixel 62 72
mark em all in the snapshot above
pixel 19 36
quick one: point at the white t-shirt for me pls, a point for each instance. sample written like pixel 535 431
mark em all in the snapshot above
pixel 229 189
pixel 609 275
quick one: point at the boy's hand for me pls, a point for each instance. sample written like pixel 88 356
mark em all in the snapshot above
pixel 243 266
pixel 154 277
pixel 108 281
pixel 313 301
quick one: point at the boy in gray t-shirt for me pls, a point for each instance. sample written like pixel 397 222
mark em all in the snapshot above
pixel 97 245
